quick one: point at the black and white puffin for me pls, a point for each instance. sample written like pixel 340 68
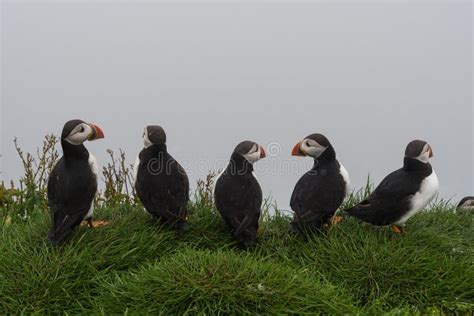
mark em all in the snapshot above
pixel 160 181
pixel 402 193
pixel 72 184
pixel 466 204
pixel 238 195
pixel 320 191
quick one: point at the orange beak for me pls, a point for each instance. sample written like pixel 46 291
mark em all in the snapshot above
pixel 430 150
pixel 296 151
pixel 98 133
pixel 262 152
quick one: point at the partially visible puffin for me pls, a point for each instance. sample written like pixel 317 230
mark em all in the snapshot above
pixel 160 181
pixel 238 195
pixel 320 191
pixel 466 204
pixel 402 193
pixel 72 184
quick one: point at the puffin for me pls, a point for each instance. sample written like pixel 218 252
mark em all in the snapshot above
pixel 161 183
pixel 238 195
pixel 466 204
pixel 319 192
pixel 402 193
pixel 72 184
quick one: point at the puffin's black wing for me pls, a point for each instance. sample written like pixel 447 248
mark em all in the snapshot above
pixel 390 200
pixel 239 199
pixel 316 197
pixel 178 189
pixel 70 196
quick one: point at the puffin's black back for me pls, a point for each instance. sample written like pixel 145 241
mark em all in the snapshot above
pixel 238 198
pixel 71 190
pixel 318 193
pixel 162 185
pixel 392 197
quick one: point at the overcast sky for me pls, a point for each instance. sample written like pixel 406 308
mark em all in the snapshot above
pixel 371 76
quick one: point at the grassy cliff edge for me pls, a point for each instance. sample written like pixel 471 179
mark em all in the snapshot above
pixel 135 266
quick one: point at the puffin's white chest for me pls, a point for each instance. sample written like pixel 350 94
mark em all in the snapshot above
pixel 94 165
pixel 428 189
pixel 95 171
pixel 345 176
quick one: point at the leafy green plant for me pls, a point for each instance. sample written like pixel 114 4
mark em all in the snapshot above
pixel 30 196
pixel 204 193
pixel 117 175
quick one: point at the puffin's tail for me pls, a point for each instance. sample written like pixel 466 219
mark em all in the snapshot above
pixel 55 239
pixel 59 232
pixel 246 233
pixel 309 223
pixel 363 206
pixel 363 211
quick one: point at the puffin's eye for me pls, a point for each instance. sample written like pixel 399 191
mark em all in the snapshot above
pixel 82 129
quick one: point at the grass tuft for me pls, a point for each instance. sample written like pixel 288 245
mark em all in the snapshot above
pixel 220 282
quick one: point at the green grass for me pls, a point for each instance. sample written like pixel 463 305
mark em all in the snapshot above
pixel 135 266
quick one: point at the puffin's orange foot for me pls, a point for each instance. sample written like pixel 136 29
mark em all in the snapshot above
pixel 98 224
pixel 336 219
pixel 94 224
pixel 397 229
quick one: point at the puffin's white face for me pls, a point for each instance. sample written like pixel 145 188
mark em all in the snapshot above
pixel 80 134
pixel 153 135
pixel 146 141
pixel 425 154
pixel 255 154
pixel 312 148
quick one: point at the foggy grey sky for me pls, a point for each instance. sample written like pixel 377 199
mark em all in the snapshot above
pixel 370 76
